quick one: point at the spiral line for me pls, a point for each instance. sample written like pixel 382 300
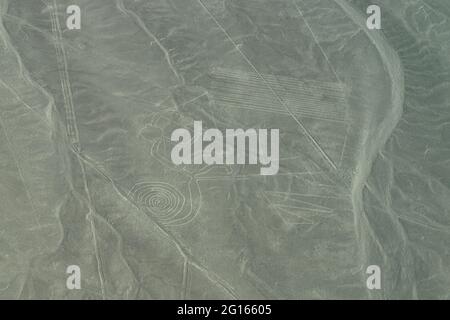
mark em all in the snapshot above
pixel 161 200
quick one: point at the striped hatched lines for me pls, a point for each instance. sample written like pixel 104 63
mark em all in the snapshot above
pixel 243 90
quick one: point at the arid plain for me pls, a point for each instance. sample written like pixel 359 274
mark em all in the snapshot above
pixel 87 180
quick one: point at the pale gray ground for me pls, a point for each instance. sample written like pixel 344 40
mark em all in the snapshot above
pixel 85 170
